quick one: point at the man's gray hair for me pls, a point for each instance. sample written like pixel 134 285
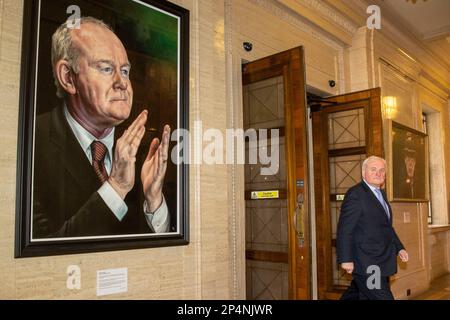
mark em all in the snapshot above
pixel 63 48
pixel 366 162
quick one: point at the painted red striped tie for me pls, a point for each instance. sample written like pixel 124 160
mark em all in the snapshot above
pixel 98 150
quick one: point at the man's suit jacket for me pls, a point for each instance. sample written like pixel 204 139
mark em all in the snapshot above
pixel 65 198
pixel 365 235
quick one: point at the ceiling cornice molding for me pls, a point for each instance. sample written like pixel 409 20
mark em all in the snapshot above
pixel 437 34
pixel 342 21
pixel 399 34
pixel 347 8
pixel 432 80
pixel 329 12
pixel 400 31
pixel 401 22
pixel 325 16
pixel 284 13
pixel 424 59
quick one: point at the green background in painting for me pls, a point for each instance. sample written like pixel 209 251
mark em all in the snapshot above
pixel 152 32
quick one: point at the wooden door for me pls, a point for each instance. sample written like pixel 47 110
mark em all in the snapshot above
pixel 277 236
pixel 346 129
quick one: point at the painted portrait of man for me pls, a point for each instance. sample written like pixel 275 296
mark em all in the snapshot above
pixel 409 166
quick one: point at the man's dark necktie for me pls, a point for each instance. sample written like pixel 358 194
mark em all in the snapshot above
pixel 98 150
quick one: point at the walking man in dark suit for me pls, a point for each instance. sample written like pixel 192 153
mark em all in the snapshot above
pixel 86 182
pixel 367 244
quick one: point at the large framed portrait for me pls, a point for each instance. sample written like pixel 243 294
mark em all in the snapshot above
pixel 104 95
pixel 409 164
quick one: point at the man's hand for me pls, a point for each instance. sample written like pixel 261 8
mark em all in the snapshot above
pixel 403 255
pixel 348 266
pixel 123 165
pixel 154 170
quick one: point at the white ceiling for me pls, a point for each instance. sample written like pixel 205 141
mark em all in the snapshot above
pixel 429 19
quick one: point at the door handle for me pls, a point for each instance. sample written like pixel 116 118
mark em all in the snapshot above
pixel 298 220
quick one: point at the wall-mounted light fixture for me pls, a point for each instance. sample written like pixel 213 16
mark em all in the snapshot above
pixel 390 106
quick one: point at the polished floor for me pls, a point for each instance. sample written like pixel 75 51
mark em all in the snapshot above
pixel 439 290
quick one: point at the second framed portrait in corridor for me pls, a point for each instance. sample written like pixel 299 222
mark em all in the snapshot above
pixel 409 163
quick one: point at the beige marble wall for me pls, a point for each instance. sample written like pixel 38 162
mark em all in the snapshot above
pixel 199 270
pixel 409 77
pixel 438 242
pixel 272 29
pixel 400 76
pixel 10 33
pixel 410 222
pixel 436 111
pixel 448 251
pixel 359 60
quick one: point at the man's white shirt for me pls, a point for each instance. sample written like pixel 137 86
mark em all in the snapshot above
pixel 372 188
pixel 158 221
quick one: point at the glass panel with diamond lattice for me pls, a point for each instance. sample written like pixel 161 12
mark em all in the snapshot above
pixel 266 223
pixel 345 172
pixel 346 129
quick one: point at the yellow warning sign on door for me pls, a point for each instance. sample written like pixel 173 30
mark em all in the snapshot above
pixel 268 194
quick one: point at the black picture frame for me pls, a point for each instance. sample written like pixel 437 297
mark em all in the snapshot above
pixel 32 93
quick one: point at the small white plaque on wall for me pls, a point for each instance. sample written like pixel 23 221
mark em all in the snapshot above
pixel 111 281
pixel 406 217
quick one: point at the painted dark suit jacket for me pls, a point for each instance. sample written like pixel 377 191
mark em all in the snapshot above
pixel 65 198
pixel 365 235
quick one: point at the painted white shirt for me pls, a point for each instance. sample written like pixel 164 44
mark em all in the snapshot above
pixel 157 221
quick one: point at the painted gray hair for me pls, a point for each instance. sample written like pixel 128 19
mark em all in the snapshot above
pixel 366 162
pixel 64 49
